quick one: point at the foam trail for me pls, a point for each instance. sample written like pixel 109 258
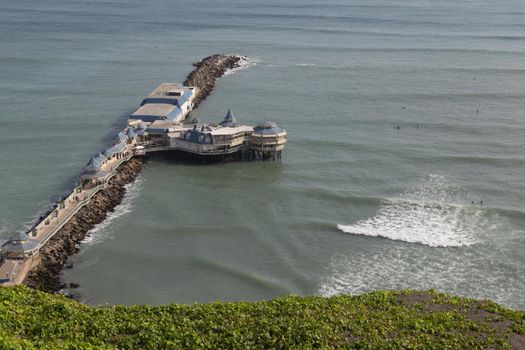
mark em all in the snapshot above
pixel 462 272
pixel 245 63
pixel 433 213
pixel 306 65
pixel 100 232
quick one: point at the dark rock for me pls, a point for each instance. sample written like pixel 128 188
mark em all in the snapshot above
pixel 74 285
pixel 46 275
pixel 54 255
pixel 208 71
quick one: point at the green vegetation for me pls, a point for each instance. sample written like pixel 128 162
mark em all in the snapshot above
pixel 380 320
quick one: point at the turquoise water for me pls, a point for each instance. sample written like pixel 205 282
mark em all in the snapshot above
pixel 355 204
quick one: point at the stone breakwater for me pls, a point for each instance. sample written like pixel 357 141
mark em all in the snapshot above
pixel 54 255
pixel 208 71
pixel 52 258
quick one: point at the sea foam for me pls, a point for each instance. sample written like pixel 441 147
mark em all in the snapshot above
pixel 466 272
pixel 100 232
pixel 435 213
pixel 245 63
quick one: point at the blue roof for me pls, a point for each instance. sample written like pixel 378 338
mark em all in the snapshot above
pixel 94 162
pixel 100 158
pixel 93 165
pixel 139 131
pixel 198 136
pixel 20 242
pixel 185 97
pixel 119 147
pixel 267 128
pixel 120 137
pixel 174 114
pixel 130 133
pixel 229 120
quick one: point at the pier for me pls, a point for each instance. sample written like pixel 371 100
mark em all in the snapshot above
pixel 35 257
pixel 20 253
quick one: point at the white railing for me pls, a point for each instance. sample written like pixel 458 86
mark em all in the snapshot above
pixel 76 208
pixel 68 217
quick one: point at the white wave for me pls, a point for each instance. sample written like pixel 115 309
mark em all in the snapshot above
pixel 245 63
pixel 101 231
pixel 306 64
pixel 436 213
pixel 468 272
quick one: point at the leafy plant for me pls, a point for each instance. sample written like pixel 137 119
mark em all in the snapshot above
pixel 379 320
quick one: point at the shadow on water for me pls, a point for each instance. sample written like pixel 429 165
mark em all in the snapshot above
pixel 72 180
pixel 267 172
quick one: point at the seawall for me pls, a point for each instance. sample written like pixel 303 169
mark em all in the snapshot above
pixel 47 266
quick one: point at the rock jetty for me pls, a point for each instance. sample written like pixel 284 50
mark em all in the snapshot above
pixel 208 71
pixel 54 255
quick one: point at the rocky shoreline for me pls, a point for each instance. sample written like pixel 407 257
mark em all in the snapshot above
pixel 208 70
pixel 46 275
pixel 54 255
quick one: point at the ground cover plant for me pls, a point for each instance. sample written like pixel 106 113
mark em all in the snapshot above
pixel 379 320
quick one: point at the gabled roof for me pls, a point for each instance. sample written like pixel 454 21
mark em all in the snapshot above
pixel 130 133
pixel 120 137
pixel 119 147
pixel 229 120
pixel 94 162
pixel 100 158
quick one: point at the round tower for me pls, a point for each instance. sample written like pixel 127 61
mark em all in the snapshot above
pixel 267 141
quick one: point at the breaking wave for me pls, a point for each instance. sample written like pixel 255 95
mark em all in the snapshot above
pixel 436 213
pixel 100 232
pixel 245 63
pixel 467 272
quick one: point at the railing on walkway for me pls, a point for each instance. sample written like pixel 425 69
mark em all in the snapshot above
pixel 80 204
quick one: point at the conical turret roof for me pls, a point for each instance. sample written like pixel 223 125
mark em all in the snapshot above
pixel 229 120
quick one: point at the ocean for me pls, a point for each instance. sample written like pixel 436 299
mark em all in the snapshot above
pixel 404 166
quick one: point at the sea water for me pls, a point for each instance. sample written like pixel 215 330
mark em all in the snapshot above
pixel 402 116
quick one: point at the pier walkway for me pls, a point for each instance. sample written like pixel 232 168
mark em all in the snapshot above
pixel 156 126
pixel 14 270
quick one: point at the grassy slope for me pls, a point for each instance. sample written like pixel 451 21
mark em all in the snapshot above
pixel 398 320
